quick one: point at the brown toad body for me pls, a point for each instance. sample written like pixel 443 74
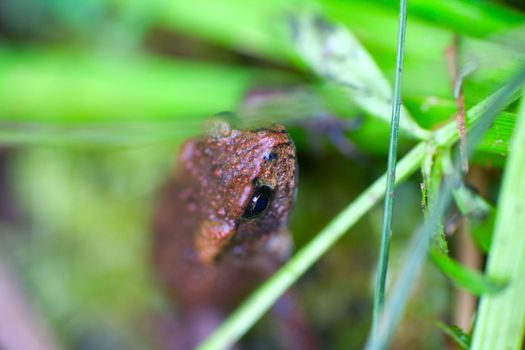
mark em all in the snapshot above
pixel 221 226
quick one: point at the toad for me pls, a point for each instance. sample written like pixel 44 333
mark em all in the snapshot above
pixel 221 225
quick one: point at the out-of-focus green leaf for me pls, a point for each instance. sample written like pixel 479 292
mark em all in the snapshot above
pixel 425 65
pixel 476 18
pixel 265 34
pixel 335 54
pixel 457 334
pixel 257 28
pixel 500 323
pixel 470 280
pixel 80 87
pixel 103 133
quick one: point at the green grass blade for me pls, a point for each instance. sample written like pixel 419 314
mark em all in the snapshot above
pixel 386 231
pixel 73 86
pixel 457 334
pixel 470 280
pixel 501 317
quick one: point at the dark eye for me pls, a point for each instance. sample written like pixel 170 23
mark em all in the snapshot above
pixel 258 203
pixel 270 157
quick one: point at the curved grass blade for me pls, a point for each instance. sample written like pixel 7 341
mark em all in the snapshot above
pixel 457 334
pixel 470 280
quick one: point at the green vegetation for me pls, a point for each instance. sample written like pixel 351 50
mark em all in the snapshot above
pixel 96 97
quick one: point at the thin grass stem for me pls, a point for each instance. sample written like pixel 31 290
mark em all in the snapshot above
pixel 386 232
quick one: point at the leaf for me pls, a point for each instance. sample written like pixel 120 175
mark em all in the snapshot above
pixel 335 54
pixel 457 334
pixel 470 280
pixel 76 86
pixel 500 323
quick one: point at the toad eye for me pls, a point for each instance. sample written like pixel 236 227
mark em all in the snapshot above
pixel 270 157
pixel 258 203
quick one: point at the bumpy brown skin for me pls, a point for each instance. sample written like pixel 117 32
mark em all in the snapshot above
pixel 207 255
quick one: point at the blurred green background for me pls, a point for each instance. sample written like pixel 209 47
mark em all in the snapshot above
pixel 96 96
